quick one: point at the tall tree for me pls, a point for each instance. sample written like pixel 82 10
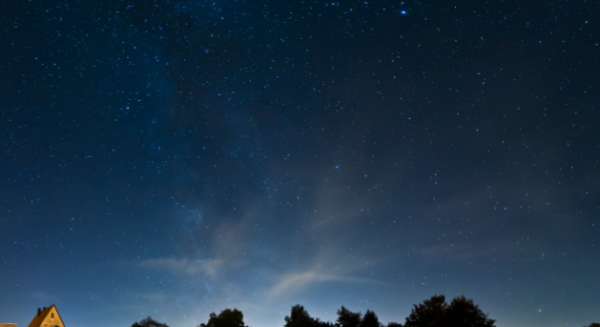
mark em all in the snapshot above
pixel 428 314
pixel 347 318
pixel 148 322
pixel 463 312
pixel 298 318
pixel 435 312
pixel 227 318
pixel 369 319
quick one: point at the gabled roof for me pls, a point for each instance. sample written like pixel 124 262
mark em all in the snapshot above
pixel 38 319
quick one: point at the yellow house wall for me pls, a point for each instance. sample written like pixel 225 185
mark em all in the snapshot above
pixel 8 325
pixel 52 322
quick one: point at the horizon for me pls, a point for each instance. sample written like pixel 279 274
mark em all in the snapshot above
pixel 164 316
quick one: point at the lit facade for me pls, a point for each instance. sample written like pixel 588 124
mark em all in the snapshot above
pixel 47 317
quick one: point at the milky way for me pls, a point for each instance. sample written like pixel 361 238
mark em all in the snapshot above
pixel 175 158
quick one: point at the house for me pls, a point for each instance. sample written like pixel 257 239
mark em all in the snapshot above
pixel 47 317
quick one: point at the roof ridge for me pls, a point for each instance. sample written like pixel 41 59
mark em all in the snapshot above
pixel 39 317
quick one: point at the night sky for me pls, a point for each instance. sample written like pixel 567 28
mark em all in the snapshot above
pixel 175 158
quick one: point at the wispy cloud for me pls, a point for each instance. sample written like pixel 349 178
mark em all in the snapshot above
pixel 210 267
pixel 294 282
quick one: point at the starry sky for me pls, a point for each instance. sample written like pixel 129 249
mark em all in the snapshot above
pixel 178 157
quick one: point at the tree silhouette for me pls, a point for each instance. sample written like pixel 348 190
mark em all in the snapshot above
pixel 394 324
pixel 227 318
pixel 299 318
pixel 347 318
pixel 594 324
pixel 148 322
pixel 435 312
pixel 428 314
pixel 319 323
pixel 369 320
pixel 462 312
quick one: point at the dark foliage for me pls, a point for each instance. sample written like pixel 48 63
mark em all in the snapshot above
pixel 594 324
pixel 347 318
pixel 318 323
pixel 435 312
pixel 394 324
pixel 370 320
pixel 149 322
pixel 429 314
pixel 298 318
pixel 463 312
pixel 227 318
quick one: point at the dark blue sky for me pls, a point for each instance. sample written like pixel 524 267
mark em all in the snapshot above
pixel 174 158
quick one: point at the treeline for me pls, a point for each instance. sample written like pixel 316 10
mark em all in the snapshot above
pixel 435 312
